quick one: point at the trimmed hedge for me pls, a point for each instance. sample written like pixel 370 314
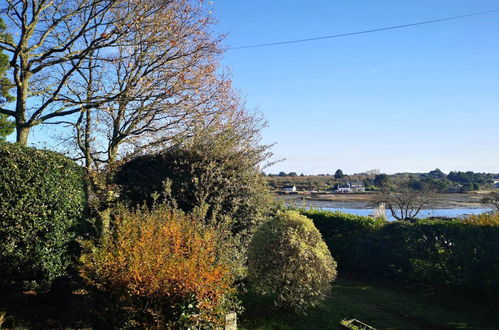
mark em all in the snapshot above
pixel 42 198
pixel 342 233
pixel 438 254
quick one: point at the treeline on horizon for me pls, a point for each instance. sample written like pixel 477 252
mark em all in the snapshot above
pixel 455 181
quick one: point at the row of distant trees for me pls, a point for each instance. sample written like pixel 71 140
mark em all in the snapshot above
pixel 439 181
pixel 338 174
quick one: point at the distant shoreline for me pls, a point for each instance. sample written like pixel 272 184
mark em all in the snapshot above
pixel 367 200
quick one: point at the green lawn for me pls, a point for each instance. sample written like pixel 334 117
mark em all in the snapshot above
pixel 377 305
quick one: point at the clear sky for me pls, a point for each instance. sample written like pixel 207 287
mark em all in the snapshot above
pixel 402 100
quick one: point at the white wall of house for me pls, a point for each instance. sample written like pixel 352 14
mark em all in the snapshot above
pixel 289 189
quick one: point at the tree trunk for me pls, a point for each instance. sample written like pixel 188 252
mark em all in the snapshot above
pixel 113 153
pixel 22 75
pixel 22 132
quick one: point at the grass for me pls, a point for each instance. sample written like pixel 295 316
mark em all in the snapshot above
pixel 381 305
pixel 378 305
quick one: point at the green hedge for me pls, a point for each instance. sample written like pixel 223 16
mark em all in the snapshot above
pixel 342 233
pixel 438 254
pixel 42 199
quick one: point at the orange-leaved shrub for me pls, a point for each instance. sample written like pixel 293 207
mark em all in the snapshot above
pixel 483 219
pixel 162 265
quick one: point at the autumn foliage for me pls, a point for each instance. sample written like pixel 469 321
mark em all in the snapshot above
pixel 483 219
pixel 163 266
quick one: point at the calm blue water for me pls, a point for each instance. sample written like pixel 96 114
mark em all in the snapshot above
pixel 451 213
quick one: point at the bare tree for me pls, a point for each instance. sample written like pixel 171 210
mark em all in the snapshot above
pixel 404 202
pixel 157 83
pixel 52 39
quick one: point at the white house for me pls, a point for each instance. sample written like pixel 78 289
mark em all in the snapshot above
pixel 344 188
pixel 289 189
pixel 351 186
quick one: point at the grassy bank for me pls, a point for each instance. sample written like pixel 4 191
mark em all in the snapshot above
pixel 380 305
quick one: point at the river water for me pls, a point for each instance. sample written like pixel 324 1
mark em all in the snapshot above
pixel 448 213
pixel 361 209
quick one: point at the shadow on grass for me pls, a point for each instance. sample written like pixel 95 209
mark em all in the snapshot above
pixel 381 305
pixel 377 305
pixel 32 311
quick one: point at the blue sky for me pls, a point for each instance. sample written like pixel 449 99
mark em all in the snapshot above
pixel 402 100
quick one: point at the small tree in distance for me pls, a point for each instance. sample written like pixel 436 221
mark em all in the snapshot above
pixel 492 200
pixel 338 174
pixel 405 202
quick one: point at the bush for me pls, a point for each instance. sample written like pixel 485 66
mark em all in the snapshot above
pixel 483 219
pixel 161 266
pixel 288 258
pixel 213 170
pixel 42 199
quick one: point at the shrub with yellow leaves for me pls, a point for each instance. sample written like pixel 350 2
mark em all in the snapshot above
pixel 163 267
pixel 483 219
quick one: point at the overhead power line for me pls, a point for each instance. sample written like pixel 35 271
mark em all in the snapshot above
pixel 367 31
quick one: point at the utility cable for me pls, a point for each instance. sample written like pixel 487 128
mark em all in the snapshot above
pixel 366 31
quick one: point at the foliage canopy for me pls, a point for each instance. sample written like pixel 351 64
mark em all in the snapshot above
pixel 219 170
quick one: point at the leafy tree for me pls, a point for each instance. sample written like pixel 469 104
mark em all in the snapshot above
pixel 437 174
pixel 283 174
pixel 381 180
pixel 288 258
pixel 338 174
pixel 292 174
pixel 6 126
pixel 469 177
pixel 416 185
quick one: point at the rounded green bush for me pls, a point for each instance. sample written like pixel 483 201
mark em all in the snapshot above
pixel 288 258
pixel 214 171
pixel 42 199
